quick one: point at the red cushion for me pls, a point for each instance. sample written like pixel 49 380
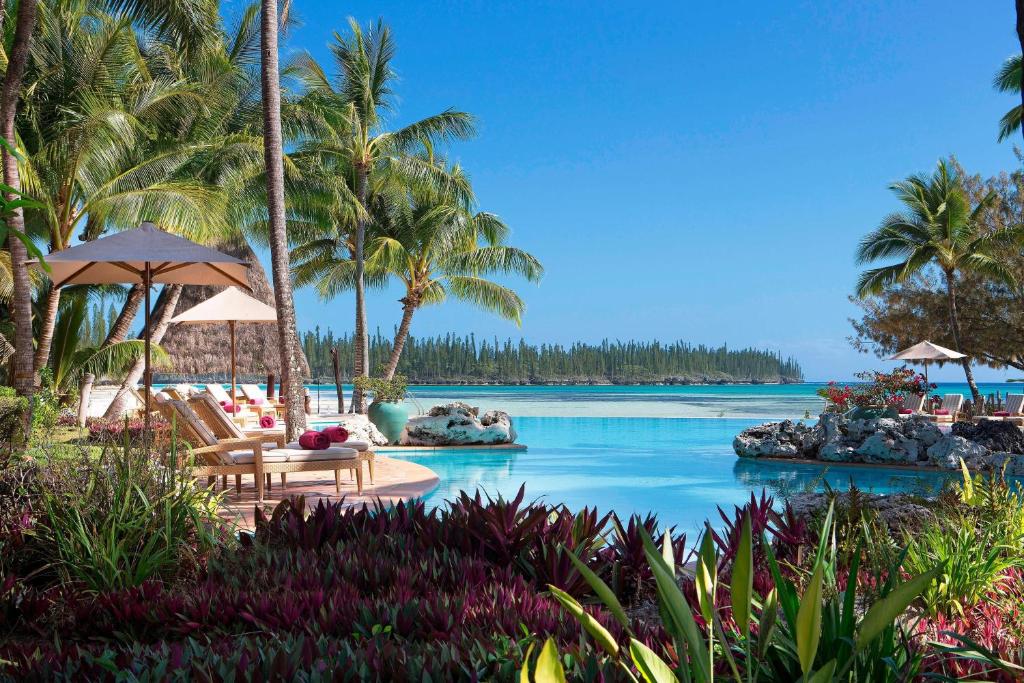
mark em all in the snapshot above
pixel 268 421
pixel 942 411
pixel 1001 413
pixel 906 411
pixel 255 401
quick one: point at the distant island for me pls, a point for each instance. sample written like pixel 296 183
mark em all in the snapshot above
pixel 454 359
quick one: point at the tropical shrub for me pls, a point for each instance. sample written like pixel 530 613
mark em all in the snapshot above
pixel 12 420
pixel 384 390
pixel 126 519
pixel 875 389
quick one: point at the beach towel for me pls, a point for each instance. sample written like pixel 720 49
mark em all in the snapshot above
pixel 337 434
pixel 314 441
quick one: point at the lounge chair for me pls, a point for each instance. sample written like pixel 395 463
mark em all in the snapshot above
pixel 1013 412
pixel 913 405
pixel 247 456
pixel 220 395
pixel 221 424
pixel 947 412
pixel 258 399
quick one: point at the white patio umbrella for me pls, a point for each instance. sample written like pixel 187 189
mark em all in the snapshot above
pixel 926 352
pixel 231 306
pixel 145 255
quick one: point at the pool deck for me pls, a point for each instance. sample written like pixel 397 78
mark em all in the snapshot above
pixel 394 481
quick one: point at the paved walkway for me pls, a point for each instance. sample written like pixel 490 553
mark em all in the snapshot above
pixel 394 480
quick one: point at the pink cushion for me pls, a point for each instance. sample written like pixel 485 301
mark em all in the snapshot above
pixel 255 401
pixel 906 411
pixel 231 408
pixel 267 421
pixel 336 433
pixel 942 411
pixel 314 441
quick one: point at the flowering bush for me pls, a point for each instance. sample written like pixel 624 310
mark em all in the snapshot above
pixel 876 389
pixel 114 431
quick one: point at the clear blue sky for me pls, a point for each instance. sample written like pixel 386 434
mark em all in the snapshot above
pixel 689 170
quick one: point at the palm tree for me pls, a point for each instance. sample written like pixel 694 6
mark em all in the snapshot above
pixel 1008 80
pixel 24 378
pixel 352 138
pixel 74 357
pixel 98 148
pixel 436 246
pixel 295 418
pixel 938 228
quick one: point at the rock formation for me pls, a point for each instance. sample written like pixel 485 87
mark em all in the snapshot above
pixel 458 424
pixel 904 441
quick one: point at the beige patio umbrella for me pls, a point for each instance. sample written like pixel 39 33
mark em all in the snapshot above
pixel 927 352
pixel 145 255
pixel 231 306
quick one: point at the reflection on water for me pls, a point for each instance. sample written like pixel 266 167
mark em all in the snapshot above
pixel 682 469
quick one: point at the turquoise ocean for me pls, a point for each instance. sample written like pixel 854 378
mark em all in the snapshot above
pixel 664 449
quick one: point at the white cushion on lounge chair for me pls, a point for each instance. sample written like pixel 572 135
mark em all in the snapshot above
pixel 218 392
pixel 297 453
pixel 355 445
pixel 245 457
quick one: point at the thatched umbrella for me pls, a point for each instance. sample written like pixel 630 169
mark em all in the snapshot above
pixel 927 352
pixel 146 256
pixel 231 306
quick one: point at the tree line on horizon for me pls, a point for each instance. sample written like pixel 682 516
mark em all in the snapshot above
pixel 455 359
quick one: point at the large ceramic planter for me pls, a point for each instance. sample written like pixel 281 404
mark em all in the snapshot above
pixel 872 412
pixel 389 418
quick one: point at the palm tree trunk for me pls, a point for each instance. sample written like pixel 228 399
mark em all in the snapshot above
pixel 24 379
pixel 337 379
pixel 46 327
pixel 273 153
pixel 954 323
pixel 362 345
pixel 408 308
pixel 1020 38
pixel 122 324
pixel 164 311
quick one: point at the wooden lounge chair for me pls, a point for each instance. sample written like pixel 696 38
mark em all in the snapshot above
pixel 913 405
pixel 220 457
pixel 253 393
pixel 1013 412
pixel 947 412
pixel 221 424
pixel 244 416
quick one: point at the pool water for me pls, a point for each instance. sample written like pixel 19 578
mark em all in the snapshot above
pixel 680 468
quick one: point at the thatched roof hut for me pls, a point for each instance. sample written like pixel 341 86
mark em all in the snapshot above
pixel 200 353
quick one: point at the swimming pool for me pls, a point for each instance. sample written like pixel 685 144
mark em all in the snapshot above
pixel 679 468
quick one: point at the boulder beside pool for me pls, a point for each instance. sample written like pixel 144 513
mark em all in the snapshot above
pixel 360 428
pixel 458 424
pixel 887 441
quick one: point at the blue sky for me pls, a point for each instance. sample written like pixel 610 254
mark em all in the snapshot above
pixel 686 170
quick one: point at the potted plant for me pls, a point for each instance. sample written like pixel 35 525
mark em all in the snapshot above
pixel 387 412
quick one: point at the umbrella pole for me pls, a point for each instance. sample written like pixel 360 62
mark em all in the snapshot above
pixel 231 326
pixel 147 282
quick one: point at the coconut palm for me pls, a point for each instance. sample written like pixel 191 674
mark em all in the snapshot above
pixel 437 247
pixel 97 144
pixel 184 20
pixel 937 228
pixel 273 146
pixel 23 376
pixel 353 139
pixel 1008 80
